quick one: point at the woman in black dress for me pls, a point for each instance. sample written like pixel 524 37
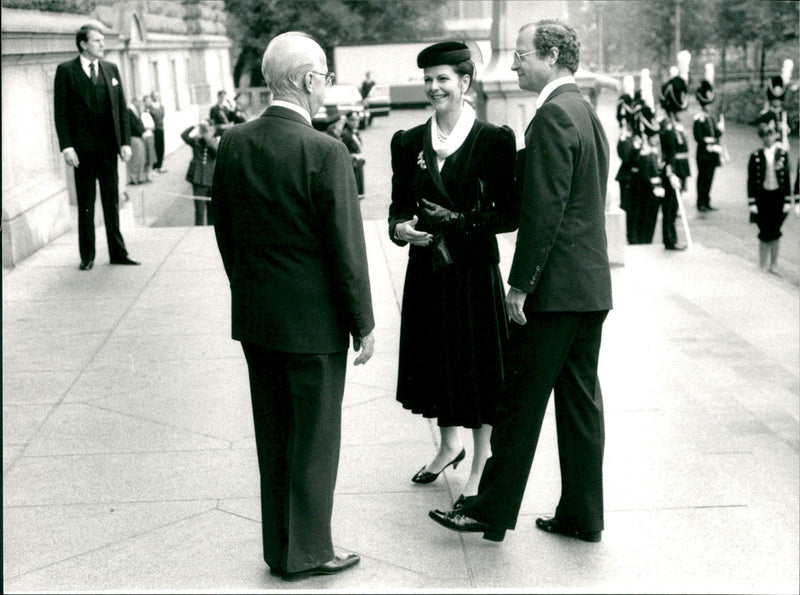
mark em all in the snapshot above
pixel 452 191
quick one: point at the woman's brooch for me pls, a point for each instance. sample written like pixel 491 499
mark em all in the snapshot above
pixel 421 161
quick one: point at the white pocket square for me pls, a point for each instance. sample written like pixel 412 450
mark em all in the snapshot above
pixel 114 82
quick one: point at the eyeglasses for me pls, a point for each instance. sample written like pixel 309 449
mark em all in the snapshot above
pixel 329 76
pixel 518 57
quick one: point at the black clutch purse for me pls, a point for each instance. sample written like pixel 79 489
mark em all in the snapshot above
pixel 441 254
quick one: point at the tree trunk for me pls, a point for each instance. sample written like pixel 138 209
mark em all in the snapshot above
pixel 763 60
pixel 724 62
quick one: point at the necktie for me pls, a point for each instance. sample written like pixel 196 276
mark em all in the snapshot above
pixel 92 73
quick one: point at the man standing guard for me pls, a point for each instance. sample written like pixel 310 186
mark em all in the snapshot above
pixel 707 133
pixel 559 297
pixel 289 229
pixel 674 150
pixel 92 124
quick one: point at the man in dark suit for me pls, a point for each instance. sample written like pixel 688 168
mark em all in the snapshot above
pixel 289 229
pixel 559 297
pixel 93 128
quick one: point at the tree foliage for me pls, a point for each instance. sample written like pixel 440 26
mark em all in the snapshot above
pixel 641 33
pixel 253 23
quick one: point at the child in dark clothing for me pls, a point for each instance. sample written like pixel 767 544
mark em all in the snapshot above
pixel 768 192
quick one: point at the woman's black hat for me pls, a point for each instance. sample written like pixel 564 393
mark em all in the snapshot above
pixel 444 52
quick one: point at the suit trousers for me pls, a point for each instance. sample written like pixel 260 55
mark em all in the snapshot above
pixel 553 352
pixel 297 412
pixel 98 164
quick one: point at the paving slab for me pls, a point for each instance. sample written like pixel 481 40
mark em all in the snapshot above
pixel 129 459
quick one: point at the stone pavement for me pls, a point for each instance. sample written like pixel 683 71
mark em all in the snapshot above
pixel 129 462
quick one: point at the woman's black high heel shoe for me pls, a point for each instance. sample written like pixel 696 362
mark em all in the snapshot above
pixel 424 476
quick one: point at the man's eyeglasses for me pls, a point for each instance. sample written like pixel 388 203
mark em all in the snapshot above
pixel 518 57
pixel 329 77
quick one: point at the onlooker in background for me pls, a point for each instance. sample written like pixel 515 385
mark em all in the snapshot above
pixel 156 110
pixel 93 127
pixel 239 112
pixel 204 143
pixel 768 192
pixel 707 132
pixel 336 128
pixel 136 162
pixel 148 136
pixel 219 114
pixel 352 139
pixel 366 85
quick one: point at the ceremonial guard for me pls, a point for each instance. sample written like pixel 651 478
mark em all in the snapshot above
pixel 648 187
pixel 776 92
pixel 674 151
pixel 707 132
pixel 627 152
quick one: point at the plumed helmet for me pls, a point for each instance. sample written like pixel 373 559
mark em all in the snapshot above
pixel 705 93
pixel 674 97
pixel 776 89
pixel 647 121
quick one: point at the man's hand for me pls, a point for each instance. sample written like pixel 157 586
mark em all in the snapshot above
pixel 406 232
pixel 366 345
pixel 125 152
pixel 515 300
pixel 71 157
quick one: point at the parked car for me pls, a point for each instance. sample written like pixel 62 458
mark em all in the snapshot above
pixel 378 101
pixel 339 100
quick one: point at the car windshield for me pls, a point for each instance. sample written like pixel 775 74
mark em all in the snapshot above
pixel 342 94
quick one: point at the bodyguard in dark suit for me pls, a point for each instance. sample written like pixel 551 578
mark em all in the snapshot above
pixel 93 127
pixel 559 297
pixel 290 233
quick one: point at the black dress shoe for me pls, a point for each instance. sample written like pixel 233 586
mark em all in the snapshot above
pixel 455 521
pixel 124 260
pixel 463 501
pixel 338 564
pixel 86 265
pixel 675 247
pixel 710 208
pixel 424 476
pixel 553 525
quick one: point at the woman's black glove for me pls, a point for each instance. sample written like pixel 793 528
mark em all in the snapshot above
pixel 439 217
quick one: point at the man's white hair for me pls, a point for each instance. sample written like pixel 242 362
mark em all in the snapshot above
pixel 287 59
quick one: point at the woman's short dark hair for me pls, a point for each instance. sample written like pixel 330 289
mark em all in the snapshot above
pixel 554 33
pixel 466 67
pixel 83 34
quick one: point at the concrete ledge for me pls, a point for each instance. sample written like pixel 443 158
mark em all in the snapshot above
pixel 615 233
pixel 33 223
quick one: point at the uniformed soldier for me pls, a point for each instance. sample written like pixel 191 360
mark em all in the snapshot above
pixel 674 151
pixel 628 145
pixel 776 93
pixel 707 132
pixel 648 186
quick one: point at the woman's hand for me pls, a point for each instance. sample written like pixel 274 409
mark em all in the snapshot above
pixel 406 232
pixel 438 214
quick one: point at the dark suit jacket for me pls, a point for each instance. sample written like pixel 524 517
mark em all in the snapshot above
pixel 757 172
pixel 72 100
pixel 289 229
pixel 561 256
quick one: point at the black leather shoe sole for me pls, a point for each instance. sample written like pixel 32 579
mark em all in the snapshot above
pixel 463 524
pixel 553 525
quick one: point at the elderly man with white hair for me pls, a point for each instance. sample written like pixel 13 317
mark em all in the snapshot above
pixel 289 229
